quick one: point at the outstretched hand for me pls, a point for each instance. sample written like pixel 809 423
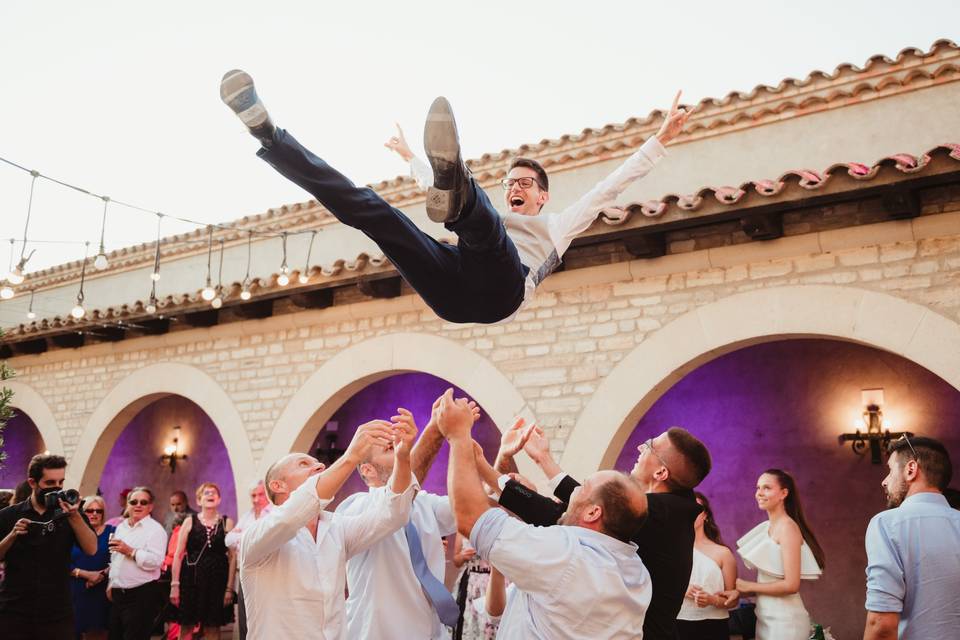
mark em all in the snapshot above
pixel 406 432
pixel 456 416
pixel 514 438
pixel 674 121
pixel 375 432
pixel 398 144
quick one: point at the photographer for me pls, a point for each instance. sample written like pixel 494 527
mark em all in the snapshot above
pixel 36 540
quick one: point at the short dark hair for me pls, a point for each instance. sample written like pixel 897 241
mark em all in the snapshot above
pixel 931 457
pixel 621 517
pixel 145 490
pixel 42 461
pixel 537 168
pixel 695 459
pixel 181 493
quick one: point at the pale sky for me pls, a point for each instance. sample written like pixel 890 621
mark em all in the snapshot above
pixel 121 98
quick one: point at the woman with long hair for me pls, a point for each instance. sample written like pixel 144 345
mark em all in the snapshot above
pixel 784 551
pixel 704 613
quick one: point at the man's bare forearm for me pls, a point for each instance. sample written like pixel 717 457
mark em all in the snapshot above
pixel 425 451
pixel 466 491
pixel 505 464
pixel 333 477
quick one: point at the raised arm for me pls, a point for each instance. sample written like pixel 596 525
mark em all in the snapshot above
pixel 511 442
pixel 428 445
pixel 463 480
pixel 419 169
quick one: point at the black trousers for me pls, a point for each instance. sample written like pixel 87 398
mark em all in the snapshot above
pixel 134 612
pixel 703 629
pixel 14 627
pixel 479 280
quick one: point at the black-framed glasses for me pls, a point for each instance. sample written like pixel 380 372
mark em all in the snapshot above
pixel 525 183
pixel 138 503
pixel 909 444
pixel 100 511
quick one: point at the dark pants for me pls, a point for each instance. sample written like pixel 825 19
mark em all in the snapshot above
pixel 14 627
pixel 241 612
pixel 134 612
pixel 703 629
pixel 479 280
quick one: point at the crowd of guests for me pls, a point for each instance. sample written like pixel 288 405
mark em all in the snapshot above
pixel 622 555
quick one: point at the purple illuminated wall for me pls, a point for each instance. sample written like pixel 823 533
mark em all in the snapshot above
pixel 782 404
pixel 413 391
pixel 21 441
pixel 135 457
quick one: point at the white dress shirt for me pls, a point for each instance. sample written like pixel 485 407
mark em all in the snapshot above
pixel 149 541
pixel 541 240
pixel 294 585
pixel 386 600
pixel 232 539
pixel 572 583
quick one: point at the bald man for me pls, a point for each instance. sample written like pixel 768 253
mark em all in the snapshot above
pixel 293 559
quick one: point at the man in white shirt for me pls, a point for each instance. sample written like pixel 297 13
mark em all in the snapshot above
pixel 391 597
pixel 293 560
pixel 260 507
pixel 581 580
pixel 498 261
pixel 137 550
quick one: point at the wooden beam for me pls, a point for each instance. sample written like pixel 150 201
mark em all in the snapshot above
pixel 317 299
pixel 255 309
pixel 68 340
pixel 202 318
pixel 30 347
pixel 154 327
pixel 381 288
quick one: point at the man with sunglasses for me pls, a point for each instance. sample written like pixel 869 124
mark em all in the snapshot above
pixel 499 260
pixel 137 551
pixel 36 543
pixel 913 562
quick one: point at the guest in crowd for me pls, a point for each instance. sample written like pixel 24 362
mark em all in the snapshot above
pixel 171 614
pixel 89 584
pixel 293 559
pixel 556 570
pixel 784 551
pixel 116 520
pixel 397 583
pixel 6 497
pixel 704 614
pixel 913 563
pixel 668 467
pixel 21 492
pixel 179 511
pixel 204 567
pixel 35 545
pixel 137 551
pixel 260 506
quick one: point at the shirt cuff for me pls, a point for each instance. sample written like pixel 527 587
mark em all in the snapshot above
pixel 882 602
pixel 653 149
pixel 555 481
pixel 502 482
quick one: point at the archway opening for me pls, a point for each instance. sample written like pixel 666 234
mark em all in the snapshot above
pixel 783 404
pixel 21 441
pixel 136 445
pixel 379 400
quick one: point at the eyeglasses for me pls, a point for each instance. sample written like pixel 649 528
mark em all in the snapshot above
pixel 648 443
pixel 525 183
pixel 909 444
pixel 136 503
pixel 100 511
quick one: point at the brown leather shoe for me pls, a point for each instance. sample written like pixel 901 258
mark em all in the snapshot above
pixel 451 178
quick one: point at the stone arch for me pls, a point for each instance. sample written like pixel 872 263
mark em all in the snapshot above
pixel 30 402
pixel 763 315
pixel 356 367
pixel 135 392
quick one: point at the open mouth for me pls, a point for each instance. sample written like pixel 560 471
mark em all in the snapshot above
pixel 516 201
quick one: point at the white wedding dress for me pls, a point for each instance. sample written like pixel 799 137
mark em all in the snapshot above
pixel 778 617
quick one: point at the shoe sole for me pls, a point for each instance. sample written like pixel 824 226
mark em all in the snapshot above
pixel 240 94
pixel 442 144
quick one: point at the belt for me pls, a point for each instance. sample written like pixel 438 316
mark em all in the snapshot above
pixel 126 590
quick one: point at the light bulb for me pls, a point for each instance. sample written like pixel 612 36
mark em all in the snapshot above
pixel 245 294
pixel 6 292
pixel 169 450
pixel 78 311
pixel 155 276
pixel 283 280
pixel 217 302
pixel 208 293
pixel 303 279
pixel 15 276
pixel 100 262
pixel 31 315
pixel 151 308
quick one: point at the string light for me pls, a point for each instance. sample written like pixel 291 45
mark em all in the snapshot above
pixel 16 274
pixel 155 276
pixel 305 274
pixel 217 302
pixel 208 293
pixel 78 311
pixel 6 292
pixel 284 278
pixel 100 262
pixel 245 287
pixel 31 314
pixel 151 307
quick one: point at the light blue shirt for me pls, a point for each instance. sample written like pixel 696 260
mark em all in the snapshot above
pixel 913 566
pixel 571 583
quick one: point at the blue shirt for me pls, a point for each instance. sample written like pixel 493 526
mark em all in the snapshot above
pixel 913 566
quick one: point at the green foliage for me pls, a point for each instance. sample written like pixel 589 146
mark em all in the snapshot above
pixel 6 411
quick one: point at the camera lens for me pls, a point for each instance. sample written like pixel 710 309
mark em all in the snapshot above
pixel 70 496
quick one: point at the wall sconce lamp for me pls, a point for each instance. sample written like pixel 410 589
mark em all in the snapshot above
pixel 332 453
pixel 878 435
pixel 171 453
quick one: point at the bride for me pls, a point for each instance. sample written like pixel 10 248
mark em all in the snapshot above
pixel 783 550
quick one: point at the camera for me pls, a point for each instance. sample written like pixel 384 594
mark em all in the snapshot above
pixel 52 499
